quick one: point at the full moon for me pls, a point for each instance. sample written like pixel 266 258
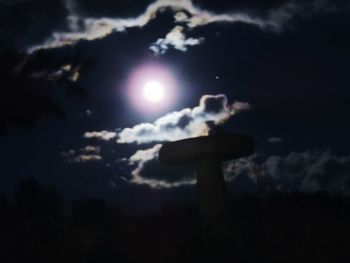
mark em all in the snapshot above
pixel 153 91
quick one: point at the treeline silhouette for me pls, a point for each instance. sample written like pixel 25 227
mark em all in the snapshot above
pixel 273 227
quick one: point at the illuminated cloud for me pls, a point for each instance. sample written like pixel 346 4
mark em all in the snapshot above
pixel 240 106
pixel 187 123
pixel 83 158
pixel 86 154
pixel 183 124
pixel 90 149
pixel 100 135
pixel 144 160
pixel 178 125
pixel 87 28
pixel 66 72
pixel 176 39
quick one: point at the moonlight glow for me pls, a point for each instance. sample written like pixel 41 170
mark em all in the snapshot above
pixel 152 89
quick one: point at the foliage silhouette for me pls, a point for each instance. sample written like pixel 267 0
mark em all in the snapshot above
pixel 274 227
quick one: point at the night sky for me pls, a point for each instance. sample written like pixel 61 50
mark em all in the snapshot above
pixel 75 113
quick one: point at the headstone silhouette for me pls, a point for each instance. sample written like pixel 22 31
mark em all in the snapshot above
pixel 207 153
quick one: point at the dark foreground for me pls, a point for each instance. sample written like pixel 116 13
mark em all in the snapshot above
pixel 269 228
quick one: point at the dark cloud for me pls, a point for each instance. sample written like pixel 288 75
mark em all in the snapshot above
pixel 111 8
pixel 25 93
pixel 184 121
pixel 309 172
pixel 214 104
pixel 28 83
pixel 23 23
pixel 275 140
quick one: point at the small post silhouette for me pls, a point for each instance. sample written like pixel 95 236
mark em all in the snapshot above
pixel 207 153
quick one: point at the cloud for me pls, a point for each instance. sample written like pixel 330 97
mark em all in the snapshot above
pixel 176 39
pixel 186 16
pixel 275 140
pixel 187 123
pixel 309 172
pixel 86 154
pixel 24 23
pixel 66 72
pixel 68 153
pixel 91 149
pixel 83 158
pixel 28 84
pixel 242 166
pixel 147 171
pixel 100 135
pixel 241 106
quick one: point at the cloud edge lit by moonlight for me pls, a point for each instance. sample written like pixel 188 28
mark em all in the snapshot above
pixel 177 125
pixel 187 16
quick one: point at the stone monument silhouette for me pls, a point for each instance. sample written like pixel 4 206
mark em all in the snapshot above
pixel 207 153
